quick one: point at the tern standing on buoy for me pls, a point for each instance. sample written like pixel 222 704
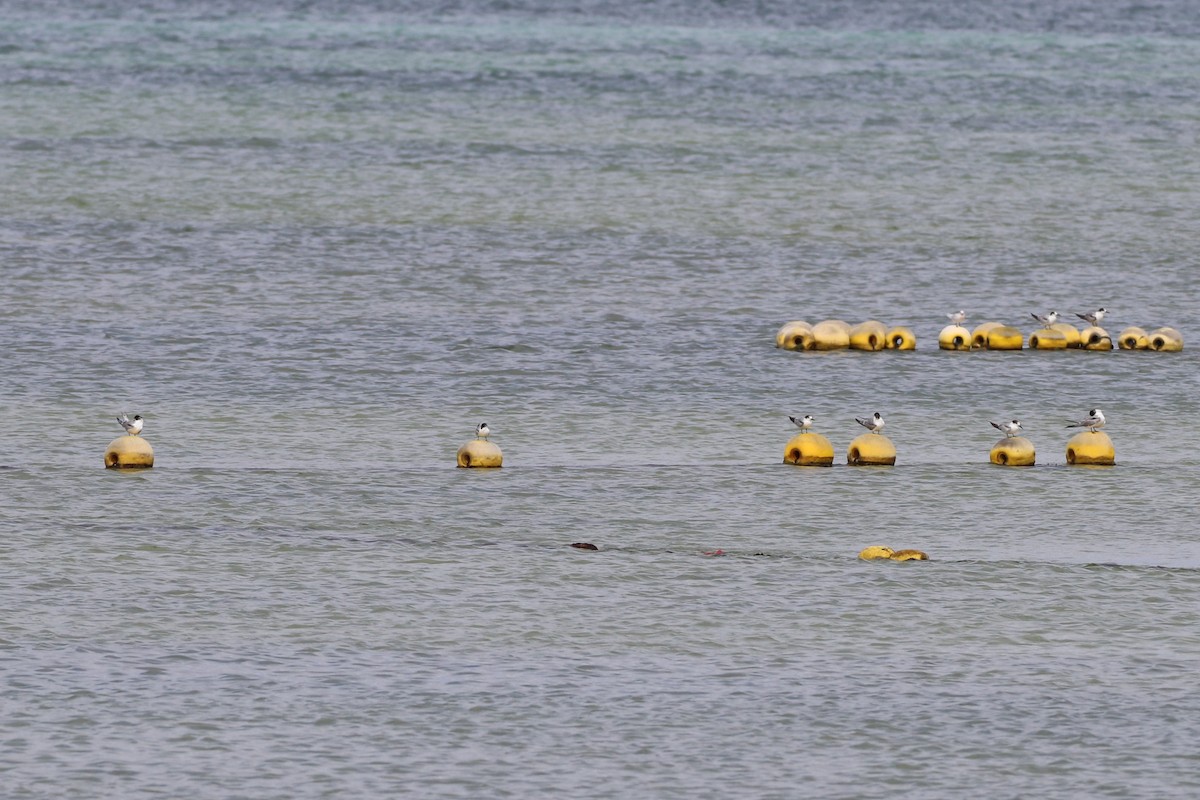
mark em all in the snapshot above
pixel 804 423
pixel 874 424
pixel 482 431
pixel 132 426
pixel 1008 428
pixel 1094 422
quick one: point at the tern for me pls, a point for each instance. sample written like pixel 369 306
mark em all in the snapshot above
pixel 1094 317
pixel 874 424
pixel 132 426
pixel 1008 428
pixel 1095 421
pixel 958 317
pixel 1047 320
pixel 482 431
pixel 804 423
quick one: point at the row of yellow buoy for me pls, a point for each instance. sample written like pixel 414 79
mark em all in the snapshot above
pixel 808 449
pixel 1058 336
pixel 1086 448
pixel 836 334
pixel 134 452
pixel 1165 339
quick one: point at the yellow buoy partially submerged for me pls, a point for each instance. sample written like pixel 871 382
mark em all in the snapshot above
pixel 1091 448
pixel 1005 337
pixel 480 453
pixel 1048 339
pixel 1133 338
pixel 808 450
pixel 869 335
pixel 1013 451
pixel 1166 340
pixel 129 452
pixel 954 337
pixel 871 449
pixel 1095 338
pixel 831 334
pixel 901 338
pixel 877 552
pixel 795 335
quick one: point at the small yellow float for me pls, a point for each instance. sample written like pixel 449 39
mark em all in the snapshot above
pixel 1166 340
pixel 1133 338
pixel 871 449
pixel 1005 337
pixel 795 335
pixel 878 552
pixel 808 450
pixel 901 338
pixel 954 337
pixel 869 335
pixel 831 334
pixel 479 453
pixel 1091 448
pixel 1048 339
pixel 1013 451
pixel 1095 338
pixel 129 452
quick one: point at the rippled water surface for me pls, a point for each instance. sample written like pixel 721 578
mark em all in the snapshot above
pixel 315 244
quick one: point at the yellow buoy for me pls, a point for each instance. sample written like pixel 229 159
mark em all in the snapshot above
pixel 479 453
pixel 808 450
pixel 795 335
pixel 1005 337
pixel 129 452
pixel 871 449
pixel 1047 339
pixel 954 337
pixel 869 335
pixel 901 338
pixel 1095 338
pixel 876 551
pixel 979 336
pixel 1013 451
pixel 1133 338
pixel 1068 330
pixel 1166 340
pixel 1088 447
pixel 831 334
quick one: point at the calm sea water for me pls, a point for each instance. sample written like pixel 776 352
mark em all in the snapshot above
pixel 315 243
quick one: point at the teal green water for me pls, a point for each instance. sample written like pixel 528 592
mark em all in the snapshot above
pixel 314 245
